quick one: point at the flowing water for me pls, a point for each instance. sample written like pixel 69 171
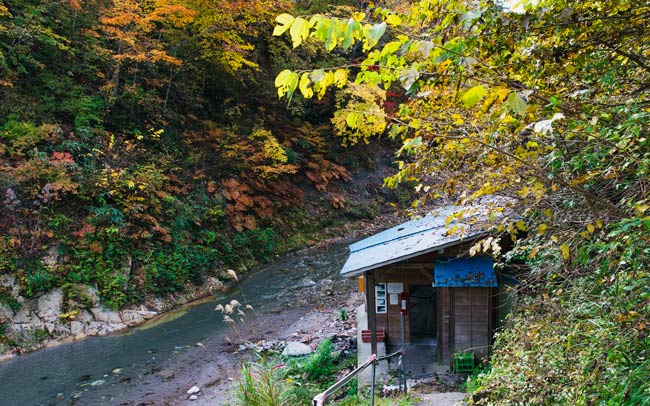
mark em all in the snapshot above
pixel 106 367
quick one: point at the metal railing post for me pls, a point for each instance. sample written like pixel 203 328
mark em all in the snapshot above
pixel 402 371
pixel 321 398
pixel 372 383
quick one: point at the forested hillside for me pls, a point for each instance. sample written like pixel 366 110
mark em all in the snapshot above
pixel 548 108
pixel 143 147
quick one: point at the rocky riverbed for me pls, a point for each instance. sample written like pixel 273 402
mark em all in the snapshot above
pixel 305 310
pixel 299 299
pixel 76 312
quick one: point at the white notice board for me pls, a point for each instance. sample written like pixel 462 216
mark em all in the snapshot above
pixel 393 287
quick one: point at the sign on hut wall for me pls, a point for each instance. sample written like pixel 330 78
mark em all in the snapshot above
pixel 464 272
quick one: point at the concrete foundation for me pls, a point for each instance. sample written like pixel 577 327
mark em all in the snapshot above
pixel 364 352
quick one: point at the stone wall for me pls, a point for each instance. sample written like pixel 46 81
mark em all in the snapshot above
pixel 58 316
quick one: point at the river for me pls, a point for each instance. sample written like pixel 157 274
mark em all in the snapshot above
pixel 106 370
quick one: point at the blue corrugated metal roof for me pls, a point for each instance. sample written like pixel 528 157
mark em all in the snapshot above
pixel 415 237
pixel 464 272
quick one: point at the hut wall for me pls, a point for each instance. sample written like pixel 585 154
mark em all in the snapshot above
pixel 408 274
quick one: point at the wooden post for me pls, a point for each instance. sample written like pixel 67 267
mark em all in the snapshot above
pixel 372 318
pixel 444 328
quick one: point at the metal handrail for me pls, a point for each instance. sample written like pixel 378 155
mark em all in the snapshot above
pixel 321 398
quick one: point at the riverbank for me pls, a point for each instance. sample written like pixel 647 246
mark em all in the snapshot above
pixel 214 366
pixel 43 322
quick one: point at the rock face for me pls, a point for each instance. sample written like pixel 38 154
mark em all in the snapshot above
pixel 48 308
pixel 296 349
pixel 76 312
pixel 43 320
pixel 9 283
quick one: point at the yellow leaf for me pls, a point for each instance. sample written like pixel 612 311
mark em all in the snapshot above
pixel 340 77
pixel 443 66
pixel 305 86
pixel 282 78
pixel 285 20
pixel 359 16
pixel 565 251
pixel 299 31
pixel 393 20
pixel 286 82
pixel 473 96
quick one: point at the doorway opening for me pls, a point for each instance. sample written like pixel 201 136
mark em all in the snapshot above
pixel 421 356
pixel 423 315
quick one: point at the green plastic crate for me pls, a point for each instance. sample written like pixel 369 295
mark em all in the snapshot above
pixel 463 362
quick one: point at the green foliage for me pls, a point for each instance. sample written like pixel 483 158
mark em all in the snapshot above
pixel 20 137
pixel 295 382
pixel 582 341
pixel 321 363
pixel 37 281
pixel 546 108
pixel 77 293
pixel 263 384
pixel 87 111
pixel 260 244
pixel 165 273
pixel 104 264
pixel 169 271
pixel 7 256
pixel 39 335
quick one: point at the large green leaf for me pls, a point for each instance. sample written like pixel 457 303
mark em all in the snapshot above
pixel 372 34
pixel 517 103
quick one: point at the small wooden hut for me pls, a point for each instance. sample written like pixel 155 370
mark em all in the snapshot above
pixel 452 298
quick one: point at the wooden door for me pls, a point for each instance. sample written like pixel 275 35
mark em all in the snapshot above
pixel 470 325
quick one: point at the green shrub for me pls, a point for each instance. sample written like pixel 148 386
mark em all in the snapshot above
pixel 20 137
pixel 259 244
pixel 321 364
pixel 166 273
pixel 264 384
pixel 101 262
pixel 582 339
pixel 38 281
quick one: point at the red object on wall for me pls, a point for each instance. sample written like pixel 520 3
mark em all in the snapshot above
pixel 366 335
pixel 404 303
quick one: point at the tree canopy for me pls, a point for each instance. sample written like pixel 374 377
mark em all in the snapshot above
pixel 548 107
pixel 137 131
